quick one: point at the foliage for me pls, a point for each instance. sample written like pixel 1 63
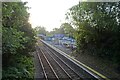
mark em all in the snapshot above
pixel 20 70
pixel 40 30
pixel 65 28
pixel 68 29
pixel 98 28
pixel 18 40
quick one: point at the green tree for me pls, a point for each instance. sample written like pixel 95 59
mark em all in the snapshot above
pixel 65 29
pixel 40 30
pixel 98 28
pixel 56 31
pixel 18 40
pixel 68 29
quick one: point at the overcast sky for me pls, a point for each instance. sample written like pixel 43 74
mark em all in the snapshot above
pixel 49 13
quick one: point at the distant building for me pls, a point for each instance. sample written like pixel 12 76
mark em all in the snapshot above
pixel 59 36
pixel 48 38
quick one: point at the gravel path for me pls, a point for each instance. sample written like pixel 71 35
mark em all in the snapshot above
pixel 38 69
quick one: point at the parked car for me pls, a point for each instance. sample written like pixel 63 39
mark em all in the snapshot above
pixel 68 42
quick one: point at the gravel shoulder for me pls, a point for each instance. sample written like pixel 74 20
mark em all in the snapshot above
pixel 38 69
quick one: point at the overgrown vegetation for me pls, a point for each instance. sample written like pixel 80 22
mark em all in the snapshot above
pixel 18 40
pixel 97 28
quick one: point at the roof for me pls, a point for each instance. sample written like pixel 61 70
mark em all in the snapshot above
pixel 58 35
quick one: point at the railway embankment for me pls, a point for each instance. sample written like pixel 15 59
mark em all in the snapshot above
pixel 103 66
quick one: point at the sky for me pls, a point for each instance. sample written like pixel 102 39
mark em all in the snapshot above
pixel 49 13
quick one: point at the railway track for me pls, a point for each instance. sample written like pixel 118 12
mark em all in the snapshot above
pixel 56 66
pixel 71 72
pixel 46 66
pixel 52 68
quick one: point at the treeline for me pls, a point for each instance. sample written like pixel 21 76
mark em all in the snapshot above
pixel 18 40
pixel 65 28
pixel 97 28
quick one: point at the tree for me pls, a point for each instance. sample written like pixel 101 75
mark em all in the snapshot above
pixel 68 29
pixel 40 30
pixel 98 28
pixel 18 40
pixel 65 29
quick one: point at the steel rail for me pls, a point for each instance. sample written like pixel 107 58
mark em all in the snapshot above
pixel 63 62
pixel 49 64
pixel 42 65
pixel 60 65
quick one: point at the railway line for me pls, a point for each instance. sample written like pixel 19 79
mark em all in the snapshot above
pixel 71 72
pixel 56 66
pixel 52 68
